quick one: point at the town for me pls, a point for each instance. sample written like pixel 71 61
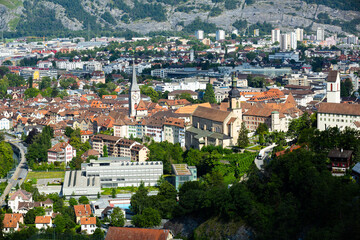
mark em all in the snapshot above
pixel 115 137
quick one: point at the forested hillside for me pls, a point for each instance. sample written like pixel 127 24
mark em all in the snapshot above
pixel 109 17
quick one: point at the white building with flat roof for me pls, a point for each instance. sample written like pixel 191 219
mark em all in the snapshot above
pixel 123 173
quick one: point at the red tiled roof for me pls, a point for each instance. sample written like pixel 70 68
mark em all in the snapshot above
pixel 11 220
pixel 123 233
pixel 82 210
pixel 43 219
pixel 88 220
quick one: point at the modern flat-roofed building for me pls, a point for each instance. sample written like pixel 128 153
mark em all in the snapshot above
pixel 76 184
pixel 123 173
pixel 183 173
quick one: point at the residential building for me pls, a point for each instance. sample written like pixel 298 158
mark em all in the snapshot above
pixel 5 124
pixel 355 172
pixel 123 173
pixel 277 116
pixel 275 35
pixel 24 207
pixel 333 87
pixel 174 131
pixel 183 173
pixel 17 197
pixel 284 42
pixel 177 93
pixel 82 211
pixel 299 34
pixel 339 115
pixel 220 35
pixel 11 222
pixel 341 161
pixel 320 34
pixel 122 233
pixel 199 34
pixel 293 41
pixel 61 152
pixel 88 224
pixel 43 222
pixel 120 147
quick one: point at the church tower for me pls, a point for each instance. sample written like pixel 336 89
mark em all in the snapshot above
pixel 333 87
pixel 234 99
pixel 134 93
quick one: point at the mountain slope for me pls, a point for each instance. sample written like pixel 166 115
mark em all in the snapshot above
pixel 46 17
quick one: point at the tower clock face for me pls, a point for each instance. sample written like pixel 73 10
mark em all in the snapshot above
pixel 135 96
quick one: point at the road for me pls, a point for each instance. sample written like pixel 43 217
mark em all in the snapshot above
pixel 20 172
pixel 265 153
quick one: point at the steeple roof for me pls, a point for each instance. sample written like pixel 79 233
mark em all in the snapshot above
pixel 134 86
pixel 234 92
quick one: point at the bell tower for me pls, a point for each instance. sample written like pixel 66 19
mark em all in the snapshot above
pixel 134 93
pixel 234 98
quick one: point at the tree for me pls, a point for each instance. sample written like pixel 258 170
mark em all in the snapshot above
pixel 346 88
pixel 209 95
pixel 45 83
pixel 113 192
pixel 117 218
pixel 30 217
pixel 251 56
pixel 31 92
pixel 68 131
pixel 105 151
pixel 139 200
pixel 83 200
pixel 262 129
pixel 98 233
pixel 7 63
pixel 73 202
pixel 149 218
pixel 30 82
pixel 243 140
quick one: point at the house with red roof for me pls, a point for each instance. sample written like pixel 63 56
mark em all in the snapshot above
pixel 82 211
pixel 43 222
pixel 12 221
pixel 61 152
pixel 88 224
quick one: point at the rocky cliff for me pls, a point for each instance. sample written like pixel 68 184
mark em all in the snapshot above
pixel 144 16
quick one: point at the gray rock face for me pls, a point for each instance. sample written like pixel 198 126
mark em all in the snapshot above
pixel 286 14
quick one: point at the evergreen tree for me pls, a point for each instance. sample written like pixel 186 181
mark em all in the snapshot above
pixel 209 95
pixel 105 151
pixel 243 140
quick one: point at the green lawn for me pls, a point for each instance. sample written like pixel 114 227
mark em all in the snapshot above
pixel 258 147
pixel 41 175
pixel 107 191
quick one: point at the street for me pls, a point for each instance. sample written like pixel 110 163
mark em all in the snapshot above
pixel 21 170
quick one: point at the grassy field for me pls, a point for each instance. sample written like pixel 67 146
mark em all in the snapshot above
pixel 107 191
pixel 41 175
pixel 11 4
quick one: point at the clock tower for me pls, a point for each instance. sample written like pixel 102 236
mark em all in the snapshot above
pixel 134 94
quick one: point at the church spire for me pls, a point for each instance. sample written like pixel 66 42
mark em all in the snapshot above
pixel 134 86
